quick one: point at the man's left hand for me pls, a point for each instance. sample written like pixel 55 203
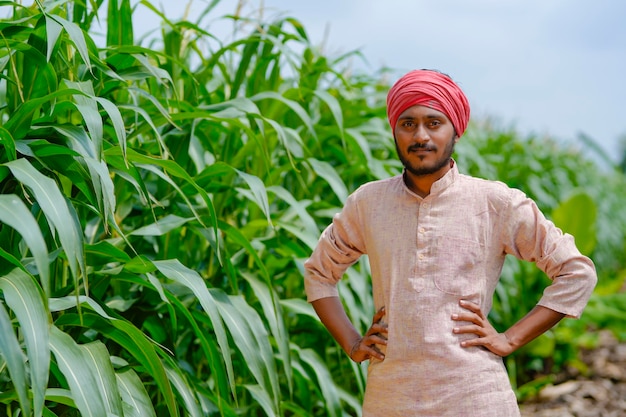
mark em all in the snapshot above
pixel 488 337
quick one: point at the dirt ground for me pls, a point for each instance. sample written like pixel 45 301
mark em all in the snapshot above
pixel 601 393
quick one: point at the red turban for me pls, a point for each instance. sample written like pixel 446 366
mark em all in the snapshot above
pixel 431 89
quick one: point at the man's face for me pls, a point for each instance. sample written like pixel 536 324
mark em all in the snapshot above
pixel 425 140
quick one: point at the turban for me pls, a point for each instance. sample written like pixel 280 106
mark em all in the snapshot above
pixel 431 89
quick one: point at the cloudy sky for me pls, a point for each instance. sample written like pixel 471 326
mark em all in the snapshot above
pixel 554 67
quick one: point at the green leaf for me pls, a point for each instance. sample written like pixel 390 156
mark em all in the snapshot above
pixel 14 213
pixel 155 130
pixel 326 171
pixel 293 105
pixel 105 192
pixel 176 271
pixel 53 31
pixel 61 396
pixel 261 398
pixel 134 342
pixel 250 337
pixel 70 302
pixel 161 226
pixel 99 362
pixel 239 106
pixel 11 351
pixel 116 118
pixel 299 306
pixel 324 381
pixel 543 346
pixel 19 122
pixel 12 259
pixel 79 374
pixel 76 36
pixel 362 145
pixel 139 265
pixel 6 140
pixel 79 141
pixel 577 216
pixel 105 252
pixel 334 106
pixel 136 401
pixel 174 169
pixel 211 350
pixel 273 313
pixel 88 108
pixel 236 236
pixel 158 73
pixel 171 182
pixel 299 206
pixel 184 391
pixel 119 23
pixel 61 217
pixel 259 193
pixel 26 300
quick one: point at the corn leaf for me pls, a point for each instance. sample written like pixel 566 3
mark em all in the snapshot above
pixel 76 36
pixel 14 213
pixel 250 337
pixel 325 381
pixel 182 387
pixel 260 396
pixel 176 271
pixel 26 300
pixel 79 374
pixel 135 399
pixel 99 361
pixel 273 313
pixel 12 353
pixel 58 212
pixel 577 216
pixel 326 171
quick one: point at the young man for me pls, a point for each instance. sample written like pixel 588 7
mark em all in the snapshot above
pixel 436 241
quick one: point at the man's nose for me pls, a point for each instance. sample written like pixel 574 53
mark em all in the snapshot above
pixel 421 134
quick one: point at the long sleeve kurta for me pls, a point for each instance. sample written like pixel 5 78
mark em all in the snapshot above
pixel 425 255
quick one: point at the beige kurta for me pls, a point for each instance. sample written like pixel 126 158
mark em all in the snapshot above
pixel 425 255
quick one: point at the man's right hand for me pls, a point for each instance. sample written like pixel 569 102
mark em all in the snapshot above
pixel 366 347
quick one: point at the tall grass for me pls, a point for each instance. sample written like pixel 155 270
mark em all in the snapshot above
pixel 157 202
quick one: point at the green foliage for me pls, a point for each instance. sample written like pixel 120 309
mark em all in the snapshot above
pixel 157 204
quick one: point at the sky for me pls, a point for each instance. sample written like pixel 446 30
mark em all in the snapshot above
pixel 554 67
pixel 544 67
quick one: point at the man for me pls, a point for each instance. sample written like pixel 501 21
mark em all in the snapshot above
pixel 436 241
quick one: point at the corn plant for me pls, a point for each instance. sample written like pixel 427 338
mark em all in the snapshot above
pixel 156 207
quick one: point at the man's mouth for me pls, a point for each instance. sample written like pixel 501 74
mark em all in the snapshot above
pixel 421 148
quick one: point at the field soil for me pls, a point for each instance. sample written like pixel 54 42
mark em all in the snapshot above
pixel 600 392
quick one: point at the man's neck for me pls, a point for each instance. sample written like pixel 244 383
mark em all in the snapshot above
pixel 421 184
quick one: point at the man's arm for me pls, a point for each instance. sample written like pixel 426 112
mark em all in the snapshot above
pixel 536 322
pixel 334 317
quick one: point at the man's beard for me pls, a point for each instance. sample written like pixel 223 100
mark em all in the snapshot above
pixel 420 170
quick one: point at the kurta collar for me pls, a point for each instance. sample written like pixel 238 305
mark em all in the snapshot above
pixel 441 184
pixel 445 181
